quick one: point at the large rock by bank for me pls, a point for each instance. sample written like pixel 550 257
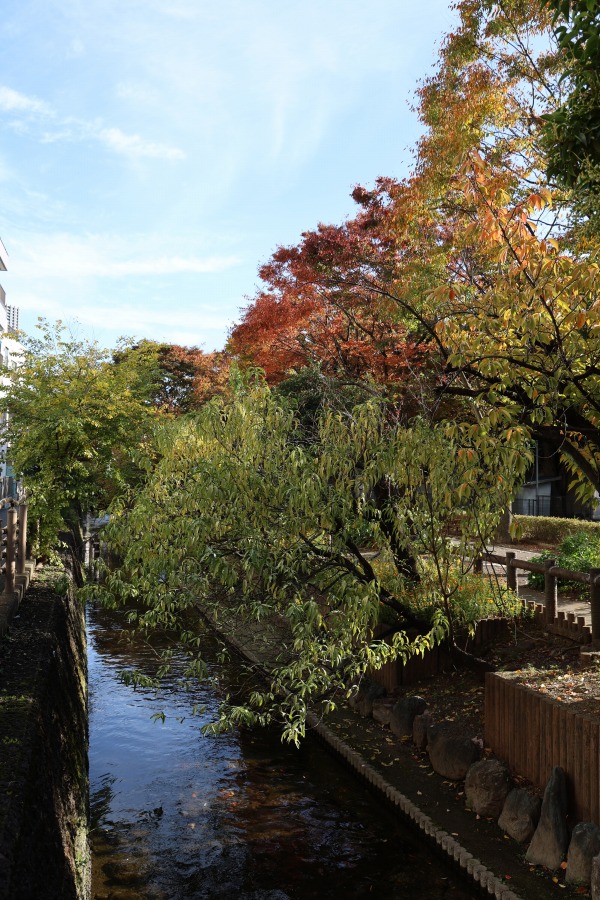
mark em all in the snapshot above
pixel 451 751
pixel 584 846
pixel 596 878
pixel 551 839
pixel 363 701
pixel 382 710
pixel 520 815
pixel 486 787
pixel 421 726
pixel 404 713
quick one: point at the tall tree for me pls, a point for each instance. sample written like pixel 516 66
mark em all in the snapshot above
pixel 184 377
pixel 328 303
pixel 76 422
pixel 472 259
pixel 246 521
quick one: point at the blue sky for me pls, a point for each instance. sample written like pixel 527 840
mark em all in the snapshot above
pixel 154 152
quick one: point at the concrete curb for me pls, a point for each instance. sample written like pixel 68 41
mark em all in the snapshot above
pixel 447 843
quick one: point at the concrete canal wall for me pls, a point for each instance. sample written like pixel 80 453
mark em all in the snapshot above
pixel 43 747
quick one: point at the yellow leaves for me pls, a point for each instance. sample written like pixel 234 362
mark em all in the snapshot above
pixel 581 320
pixel 463 490
pixel 546 195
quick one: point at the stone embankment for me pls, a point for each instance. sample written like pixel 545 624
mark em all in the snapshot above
pixel 43 745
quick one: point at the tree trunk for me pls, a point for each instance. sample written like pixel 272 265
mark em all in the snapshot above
pixel 503 535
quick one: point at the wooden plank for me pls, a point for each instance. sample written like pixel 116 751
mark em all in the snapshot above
pixel 569 764
pixel 506 721
pixel 489 710
pixel 581 800
pixel 585 786
pixel 499 715
pixel 556 734
pixel 512 736
pixel 536 749
pixel 521 737
pixel 593 771
pixel 553 744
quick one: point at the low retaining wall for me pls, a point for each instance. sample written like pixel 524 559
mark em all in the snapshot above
pixel 533 733
pixel 565 624
pixel 420 668
pixel 43 750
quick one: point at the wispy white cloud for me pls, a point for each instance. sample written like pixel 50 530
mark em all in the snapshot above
pixel 138 93
pixel 135 146
pixel 68 128
pixel 13 101
pixel 272 109
pixel 199 326
pixel 66 256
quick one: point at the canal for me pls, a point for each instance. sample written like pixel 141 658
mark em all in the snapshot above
pixel 177 815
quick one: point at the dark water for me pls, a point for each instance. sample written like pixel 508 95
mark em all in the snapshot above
pixel 176 814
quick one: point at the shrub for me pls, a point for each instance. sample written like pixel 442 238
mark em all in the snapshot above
pixel 549 530
pixel 578 552
pixel 472 597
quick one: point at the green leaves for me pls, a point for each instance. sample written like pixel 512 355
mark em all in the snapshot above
pixel 267 536
pixel 76 422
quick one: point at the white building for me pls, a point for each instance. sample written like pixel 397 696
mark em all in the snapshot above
pixel 10 351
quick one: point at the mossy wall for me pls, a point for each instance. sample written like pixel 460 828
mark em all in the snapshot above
pixel 43 748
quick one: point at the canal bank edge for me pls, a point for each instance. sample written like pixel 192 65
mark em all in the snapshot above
pixel 459 856
pixel 43 746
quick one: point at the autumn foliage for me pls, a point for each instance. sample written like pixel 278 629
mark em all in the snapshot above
pixel 469 279
pixel 190 377
pixel 324 302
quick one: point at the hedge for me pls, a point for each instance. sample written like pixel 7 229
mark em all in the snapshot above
pixel 548 530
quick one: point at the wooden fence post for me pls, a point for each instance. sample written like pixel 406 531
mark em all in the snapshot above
pixel 550 591
pixel 22 549
pixel 511 572
pixel 11 538
pixel 595 604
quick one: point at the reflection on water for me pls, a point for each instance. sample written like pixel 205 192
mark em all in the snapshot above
pixel 176 814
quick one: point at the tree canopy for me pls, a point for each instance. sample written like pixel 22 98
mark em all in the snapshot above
pixel 478 283
pixel 76 422
pixel 573 131
pixel 243 520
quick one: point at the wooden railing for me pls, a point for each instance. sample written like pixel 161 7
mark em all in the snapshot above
pixel 575 626
pixel 14 544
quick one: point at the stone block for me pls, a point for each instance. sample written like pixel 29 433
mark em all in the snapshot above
pixel 451 751
pixel 551 839
pixel 486 787
pixel 520 815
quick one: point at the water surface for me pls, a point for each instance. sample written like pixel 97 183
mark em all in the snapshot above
pixel 178 815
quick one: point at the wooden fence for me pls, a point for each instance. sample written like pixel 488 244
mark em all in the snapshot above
pixel 533 733
pixel 420 668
